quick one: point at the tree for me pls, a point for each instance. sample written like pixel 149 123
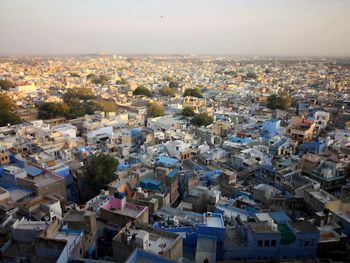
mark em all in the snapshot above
pixel 90 75
pixel 80 109
pixel 121 81
pixel 166 91
pixel 6 103
pixel 107 106
pixel 7 117
pixel 100 80
pixel 251 75
pixel 6 84
pixel 155 110
pixel 188 111
pixel 80 102
pixel 6 111
pixel 142 90
pixel 193 93
pixel 49 110
pixel 280 101
pixel 173 84
pixel 74 75
pixel 201 119
pixel 76 94
pixel 98 172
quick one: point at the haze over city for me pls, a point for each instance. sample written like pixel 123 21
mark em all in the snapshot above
pixel 233 27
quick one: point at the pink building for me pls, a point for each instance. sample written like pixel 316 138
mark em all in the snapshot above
pixel 120 212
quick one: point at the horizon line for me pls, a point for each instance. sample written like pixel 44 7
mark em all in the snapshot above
pixel 174 54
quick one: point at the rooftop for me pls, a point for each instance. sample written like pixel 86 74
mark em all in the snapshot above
pixel 304 226
pixel 142 256
pixel 261 227
pixel 206 248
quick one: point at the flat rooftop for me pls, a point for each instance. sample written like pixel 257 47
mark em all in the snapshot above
pixel 261 227
pixel 17 193
pixel 37 225
pixel 343 214
pixel 304 226
pixel 142 256
pixel 127 212
pixel 328 236
pixel 323 196
pixel 69 236
pixel 214 221
pixel 206 249
pixel 155 240
pixel 76 216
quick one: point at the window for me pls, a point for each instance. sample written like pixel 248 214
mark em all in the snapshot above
pixel 273 243
pixel 260 243
pixel 306 244
pixel 267 243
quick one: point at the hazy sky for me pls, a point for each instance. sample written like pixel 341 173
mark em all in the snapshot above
pixel 238 27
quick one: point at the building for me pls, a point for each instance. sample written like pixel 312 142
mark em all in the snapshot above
pixel 301 129
pixel 118 211
pixel 138 236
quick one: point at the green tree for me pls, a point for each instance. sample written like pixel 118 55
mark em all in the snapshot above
pixel 173 84
pixel 188 111
pixel 90 76
pixel 251 75
pixel 280 101
pixel 6 103
pixel 201 119
pixel 80 109
pixel 155 110
pixel 6 84
pixel 7 117
pixel 98 172
pixel 6 111
pixel 100 80
pixel 193 93
pixel 167 91
pixel 74 75
pixel 107 106
pixel 121 81
pixel 76 94
pixel 142 90
pixel 49 110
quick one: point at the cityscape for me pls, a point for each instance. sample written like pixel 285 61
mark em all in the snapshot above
pixel 152 152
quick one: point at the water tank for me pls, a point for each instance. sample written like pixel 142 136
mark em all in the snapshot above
pixel 274 227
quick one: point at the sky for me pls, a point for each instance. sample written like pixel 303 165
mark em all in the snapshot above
pixel 232 27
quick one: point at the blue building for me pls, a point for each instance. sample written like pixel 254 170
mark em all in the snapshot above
pixel 277 238
pixel 315 147
pixel 192 225
pixel 236 139
pixel 270 129
pixel 150 184
pixel 166 161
